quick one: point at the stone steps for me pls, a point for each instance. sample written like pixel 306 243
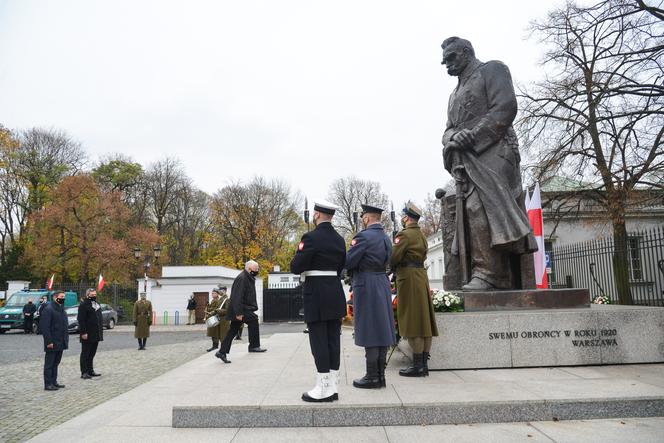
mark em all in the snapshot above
pixel 426 414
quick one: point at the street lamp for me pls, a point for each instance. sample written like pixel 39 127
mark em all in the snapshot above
pixel 147 261
pixel 306 213
pixel 355 221
pixel 394 221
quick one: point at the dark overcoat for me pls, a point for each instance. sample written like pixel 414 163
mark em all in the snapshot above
pixel 243 297
pixel 218 307
pixel 415 313
pixel 90 320
pixel 485 103
pixel 322 249
pixel 53 324
pixel 367 259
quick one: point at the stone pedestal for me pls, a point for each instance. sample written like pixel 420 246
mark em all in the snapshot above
pixel 526 299
pixel 597 335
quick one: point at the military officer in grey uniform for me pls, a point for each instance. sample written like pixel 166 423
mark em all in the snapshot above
pixel 319 260
pixel 366 260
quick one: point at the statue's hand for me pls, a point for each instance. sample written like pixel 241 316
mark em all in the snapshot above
pixel 447 154
pixel 465 138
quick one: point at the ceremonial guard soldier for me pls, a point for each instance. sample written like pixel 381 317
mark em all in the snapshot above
pixel 142 321
pixel 415 313
pixel 217 306
pixel 319 260
pixel 367 260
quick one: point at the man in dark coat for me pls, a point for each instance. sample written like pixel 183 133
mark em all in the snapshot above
pixel 319 260
pixel 242 309
pixel 42 304
pixel 53 324
pixel 29 310
pixel 481 145
pixel 91 330
pixel 366 260
pixel 191 309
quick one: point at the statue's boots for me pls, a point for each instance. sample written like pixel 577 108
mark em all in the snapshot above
pixel 477 284
pixel 417 370
pixel 370 380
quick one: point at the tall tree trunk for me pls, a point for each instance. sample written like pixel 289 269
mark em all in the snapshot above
pixel 621 256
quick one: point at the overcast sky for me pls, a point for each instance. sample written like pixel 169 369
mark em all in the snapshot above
pixel 307 91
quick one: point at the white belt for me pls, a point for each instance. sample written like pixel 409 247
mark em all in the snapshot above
pixel 314 273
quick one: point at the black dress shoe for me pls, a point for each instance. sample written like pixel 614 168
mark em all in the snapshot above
pixel 86 376
pixel 258 349
pixel 59 386
pixel 211 349
pixel 94 374
pixel 50 388
pixel 222 356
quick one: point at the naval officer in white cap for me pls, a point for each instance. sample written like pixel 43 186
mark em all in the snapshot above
pixel 319 260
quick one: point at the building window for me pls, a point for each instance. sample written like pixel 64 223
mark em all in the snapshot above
pixel 283 279
pixel 634 258
pixel 296 278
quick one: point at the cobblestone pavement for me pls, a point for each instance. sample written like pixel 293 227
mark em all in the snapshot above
pixel 27 410
pixel 17 347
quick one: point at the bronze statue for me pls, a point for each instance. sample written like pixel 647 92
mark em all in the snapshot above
pixel 481 151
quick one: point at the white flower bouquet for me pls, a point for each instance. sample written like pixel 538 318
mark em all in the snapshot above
pixel 444 301
pixel 602 300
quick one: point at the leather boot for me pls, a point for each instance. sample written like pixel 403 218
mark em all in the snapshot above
pixel 322 392
pixel 417 370
pixel 334 379
pixel 425 362
pixel 370 380
pixel 381 371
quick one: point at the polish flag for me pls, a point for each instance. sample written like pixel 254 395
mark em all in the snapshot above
pixel 49 283
pixel 100 283
pixel 534 207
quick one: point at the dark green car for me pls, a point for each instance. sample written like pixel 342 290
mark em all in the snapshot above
pixel 11 314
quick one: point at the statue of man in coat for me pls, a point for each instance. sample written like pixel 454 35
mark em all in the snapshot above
pixel 479 140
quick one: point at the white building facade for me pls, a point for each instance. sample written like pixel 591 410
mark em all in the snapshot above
pixel 435 260
pixel 170 292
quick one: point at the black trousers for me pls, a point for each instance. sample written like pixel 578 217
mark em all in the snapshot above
pixel 254 337
pixel 88 351
pixel 325 342
pixel 27 324
pixel 51 362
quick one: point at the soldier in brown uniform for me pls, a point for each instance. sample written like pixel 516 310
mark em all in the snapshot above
pixel 414 306
pixel 217 307
pixel 142 321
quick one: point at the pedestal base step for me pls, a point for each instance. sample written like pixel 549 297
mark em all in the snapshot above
pixel 430 414
pixel 526 299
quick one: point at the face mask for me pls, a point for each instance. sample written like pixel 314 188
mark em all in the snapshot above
pixel 254 273
pixel 93 298
pixel 60 300
pixel 30 302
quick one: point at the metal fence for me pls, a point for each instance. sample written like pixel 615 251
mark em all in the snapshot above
pixel 283 304
pixel 590 265
pixel 122 298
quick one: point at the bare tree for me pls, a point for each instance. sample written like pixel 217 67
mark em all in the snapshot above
pixel 431 220
pixel 349 193
pixel 163 182
pixel 598 116
pixel 43 159
pixel 190 224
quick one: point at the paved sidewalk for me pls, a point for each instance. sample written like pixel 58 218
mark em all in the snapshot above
pixel 27 410
pixel 279 376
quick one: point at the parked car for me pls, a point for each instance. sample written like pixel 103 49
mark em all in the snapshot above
pixel 109 317
pixel 11 315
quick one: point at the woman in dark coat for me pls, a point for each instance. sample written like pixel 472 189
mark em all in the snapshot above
pixel 91 330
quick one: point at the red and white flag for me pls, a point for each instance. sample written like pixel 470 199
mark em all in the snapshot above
pixel 49 283
pixel 534 208
pixel 100 283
